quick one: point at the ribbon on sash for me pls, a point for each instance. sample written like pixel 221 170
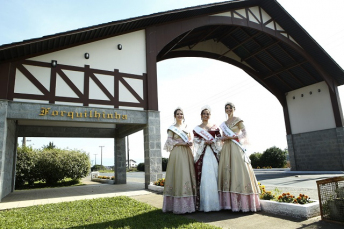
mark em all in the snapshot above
pixel 179 132
pixel 205 134
pixel 230 133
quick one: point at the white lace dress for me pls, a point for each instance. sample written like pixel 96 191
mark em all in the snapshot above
pixel 206 166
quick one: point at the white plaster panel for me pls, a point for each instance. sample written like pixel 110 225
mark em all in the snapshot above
pixel 24 86
pixel 311 112
pixel 101 106
pixel 131 108
pixel 69 104
pixel 214 47
pixel 105 55
pixel 107 81
pixel 41 74
pixel 225 14
pixel 125 95
pixel 77 78
pixel 95 92
pixel 255 11
pixel 278 27
pixel 62 88
pixel 252 18
pixel 136 84
pixel 271 25
pixel 31 101
pixel 265 16
pixel 242 12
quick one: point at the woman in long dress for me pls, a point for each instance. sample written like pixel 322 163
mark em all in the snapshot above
pixel 180 179
pixel 238 186
pixel 206 150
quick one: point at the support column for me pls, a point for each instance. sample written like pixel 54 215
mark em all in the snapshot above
pixel 120 161
pixel 7 151
pixel 152 148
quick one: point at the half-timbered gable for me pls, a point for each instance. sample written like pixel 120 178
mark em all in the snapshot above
pixel 106 73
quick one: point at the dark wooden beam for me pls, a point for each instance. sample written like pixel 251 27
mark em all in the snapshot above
pixel 178 42
pixel 285 69
pixel 204 37
pixel 260 50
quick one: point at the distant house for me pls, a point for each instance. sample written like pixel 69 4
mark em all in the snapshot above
pixel 132 163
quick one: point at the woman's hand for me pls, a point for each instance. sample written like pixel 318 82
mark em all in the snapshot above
pixel 226 137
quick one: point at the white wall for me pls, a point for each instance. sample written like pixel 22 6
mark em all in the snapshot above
pixel 104 55
pixel 311 112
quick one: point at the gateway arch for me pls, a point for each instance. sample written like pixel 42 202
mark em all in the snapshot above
pixel 101 81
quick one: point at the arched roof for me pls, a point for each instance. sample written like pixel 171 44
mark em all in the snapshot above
pixel 285 56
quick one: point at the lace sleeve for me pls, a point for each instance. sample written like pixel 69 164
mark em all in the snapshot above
pixel 243 138
pixel 198 146
pixel 170 142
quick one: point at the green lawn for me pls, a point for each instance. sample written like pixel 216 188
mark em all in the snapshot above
pixel 117 212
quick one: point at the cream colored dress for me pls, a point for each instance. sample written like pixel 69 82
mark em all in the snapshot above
pixel 180 179
pixel 237 185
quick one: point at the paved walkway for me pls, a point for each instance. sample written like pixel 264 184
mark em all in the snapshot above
pixel 224 219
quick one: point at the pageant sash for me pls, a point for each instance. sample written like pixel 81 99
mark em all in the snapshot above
pixel 230 133
pixel 205 134
pixel 180 133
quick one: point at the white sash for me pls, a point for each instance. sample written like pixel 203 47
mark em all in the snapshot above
pixel 230 133
pixel 180 133
pixel 205 134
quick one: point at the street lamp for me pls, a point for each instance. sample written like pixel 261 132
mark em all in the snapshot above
pixel 101 155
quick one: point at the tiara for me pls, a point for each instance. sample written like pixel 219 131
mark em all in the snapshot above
pixel 229 103
pixel 206 107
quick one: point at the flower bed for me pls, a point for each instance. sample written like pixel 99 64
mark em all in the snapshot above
pixel 303 211
pixel 104 179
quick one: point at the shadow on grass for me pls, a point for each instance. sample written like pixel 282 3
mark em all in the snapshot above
pixel 152 219
pixel 40 185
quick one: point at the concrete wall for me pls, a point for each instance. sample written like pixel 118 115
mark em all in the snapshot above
pixel 321 150
pixel 7 151
pixel 152 148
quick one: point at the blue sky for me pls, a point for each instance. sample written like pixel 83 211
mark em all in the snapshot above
pixel 262 113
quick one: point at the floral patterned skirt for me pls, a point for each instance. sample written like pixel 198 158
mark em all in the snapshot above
pixel 238 187
pixel 180 182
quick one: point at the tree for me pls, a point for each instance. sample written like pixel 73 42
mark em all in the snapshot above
pixel 141 167
pixel 255 159
pixel 274 157
pixel 164 164
pixel 49 146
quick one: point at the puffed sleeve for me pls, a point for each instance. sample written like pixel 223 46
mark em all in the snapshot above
pixel 243 138
pixel 170 142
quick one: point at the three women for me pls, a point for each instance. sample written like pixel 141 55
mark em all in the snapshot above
pixel 221 178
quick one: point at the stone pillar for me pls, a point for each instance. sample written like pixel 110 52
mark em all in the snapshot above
pixel 152 148
pixel 7 151
pixel 321 150
pixel 120 161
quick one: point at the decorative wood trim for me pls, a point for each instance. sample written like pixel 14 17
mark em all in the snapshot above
pixel 4 79
pixel 11 83
pixel 337 107
pixel 83 97
pixel 33 80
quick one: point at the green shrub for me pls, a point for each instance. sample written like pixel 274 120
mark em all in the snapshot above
pixel 98 168
pixel 274 157
pixel 141 167
pixel 50 165
pixel 255 160
pixel 26 169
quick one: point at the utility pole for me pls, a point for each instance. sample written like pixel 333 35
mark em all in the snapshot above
pixel 95 159
pixel 24 142
pixel 128 151
pixel 101 154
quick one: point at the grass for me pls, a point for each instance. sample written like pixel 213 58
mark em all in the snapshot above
pixel 40 184
pixel 116 212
